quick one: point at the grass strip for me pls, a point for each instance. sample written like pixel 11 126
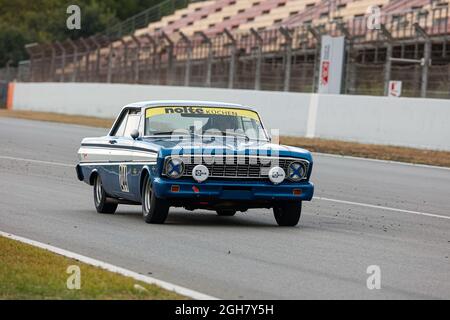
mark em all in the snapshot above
pixel 31 273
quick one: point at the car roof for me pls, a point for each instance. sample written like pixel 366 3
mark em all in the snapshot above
pixel 187 103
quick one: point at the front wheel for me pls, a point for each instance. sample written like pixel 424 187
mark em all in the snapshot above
pixel 154 210
pixel 103 204
pixel 288 214
pixel 226 212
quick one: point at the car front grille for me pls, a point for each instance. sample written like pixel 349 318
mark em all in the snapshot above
pixel 239 166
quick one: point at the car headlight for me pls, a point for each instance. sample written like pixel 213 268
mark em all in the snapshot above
pixel 296 171
pixel 174 168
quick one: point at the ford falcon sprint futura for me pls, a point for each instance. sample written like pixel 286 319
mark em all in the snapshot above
pixel 195 155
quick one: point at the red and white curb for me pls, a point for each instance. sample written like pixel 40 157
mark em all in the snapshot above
pixel 112 268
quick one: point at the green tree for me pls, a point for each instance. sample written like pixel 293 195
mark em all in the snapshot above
pixel 27 21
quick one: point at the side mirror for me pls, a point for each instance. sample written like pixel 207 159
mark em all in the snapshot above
pixel 135 134
pixel 269 136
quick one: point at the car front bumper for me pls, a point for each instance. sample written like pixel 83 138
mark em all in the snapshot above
pixel 232 190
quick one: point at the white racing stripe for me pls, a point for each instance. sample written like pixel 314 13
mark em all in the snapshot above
pixel 112 268
pixel 383 208
pixel 317 198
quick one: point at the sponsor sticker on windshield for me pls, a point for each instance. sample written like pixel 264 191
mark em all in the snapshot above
pixel 200 111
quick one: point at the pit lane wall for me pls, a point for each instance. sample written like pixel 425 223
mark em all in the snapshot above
pixel 410 122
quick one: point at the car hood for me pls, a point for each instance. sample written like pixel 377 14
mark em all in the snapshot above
pixel 211 146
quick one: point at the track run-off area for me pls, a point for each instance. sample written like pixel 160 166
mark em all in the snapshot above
pixel 365 213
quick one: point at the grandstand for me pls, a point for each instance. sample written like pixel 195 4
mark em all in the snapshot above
pixel 261 44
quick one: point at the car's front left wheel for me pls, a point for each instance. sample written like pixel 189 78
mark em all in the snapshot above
pixel 288 214
pixel 103 204
pixel 226 212
pixel 154 210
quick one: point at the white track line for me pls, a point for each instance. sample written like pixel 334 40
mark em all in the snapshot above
pixel 380 161
pixel 97 263
pixel 38 162
pixel 383 208
pixel 318 198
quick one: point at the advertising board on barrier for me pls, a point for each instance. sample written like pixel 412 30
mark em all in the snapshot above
pixel 331 65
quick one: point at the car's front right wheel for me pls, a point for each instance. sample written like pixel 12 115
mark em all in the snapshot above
pixel 288 214
pixel 154 210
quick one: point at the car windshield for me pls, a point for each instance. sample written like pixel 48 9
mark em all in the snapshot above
pixel 203 121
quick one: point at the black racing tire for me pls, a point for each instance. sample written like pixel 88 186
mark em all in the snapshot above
pixel 154 210
pixel 288 214
pixel 102 203
pixel 226 212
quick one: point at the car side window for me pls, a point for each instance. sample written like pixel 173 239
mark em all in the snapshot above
pixel 133 120
pixel 248 124
pixel 120 126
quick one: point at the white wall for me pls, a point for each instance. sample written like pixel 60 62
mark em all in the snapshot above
pixel 422 123
pixel 105 100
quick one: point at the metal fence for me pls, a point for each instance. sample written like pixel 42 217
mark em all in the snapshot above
pixel 411 47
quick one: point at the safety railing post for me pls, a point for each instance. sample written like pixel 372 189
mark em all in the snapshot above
pixel 152 51
pixel 87 53
pixel 63 61
pixel 74 59
pixel 232 67
pixel 259 43
pixel 170 64
pixel 124 73
pixel 29 48
pixel 288 57
pixel 209 58
pixel 138 56
pixel 98 56
pixel 110 63
pixel 388 66
pixel 348 83
pixel 426 58
pixel 318 36
pixel 52 63
pixel 187 74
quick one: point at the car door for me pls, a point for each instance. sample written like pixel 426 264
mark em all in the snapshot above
pixel 122 145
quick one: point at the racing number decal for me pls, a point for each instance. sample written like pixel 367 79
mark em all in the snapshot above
pixel 123 178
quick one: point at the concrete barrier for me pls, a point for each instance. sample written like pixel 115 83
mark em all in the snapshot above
pixel 420 123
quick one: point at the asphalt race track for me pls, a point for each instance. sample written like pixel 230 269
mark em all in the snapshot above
pixel 366 213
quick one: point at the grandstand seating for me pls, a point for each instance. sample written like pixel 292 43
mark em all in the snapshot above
pixel 180 15
pixel 278 14
pixel 194 13
pixel 258 8
pixel 213 16
pixel 218 16
pixel 239 16
pixel 404 5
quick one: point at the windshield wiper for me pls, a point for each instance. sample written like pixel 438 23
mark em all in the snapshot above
pixel 162 133
pixel 235 134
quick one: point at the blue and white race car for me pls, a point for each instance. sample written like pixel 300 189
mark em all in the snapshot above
pixel 195 155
